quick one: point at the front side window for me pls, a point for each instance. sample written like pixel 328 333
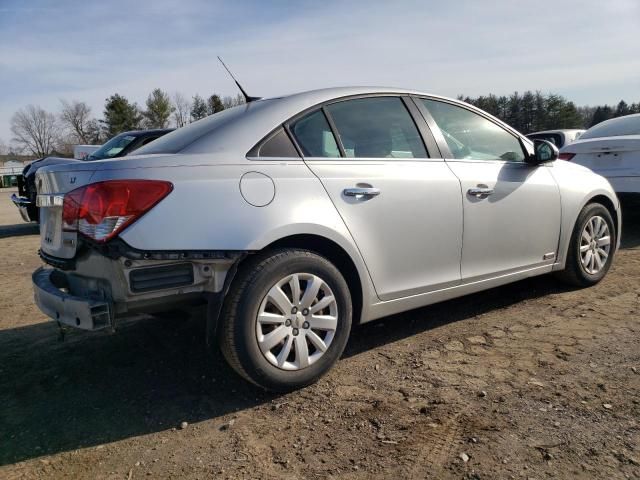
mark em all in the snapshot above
pixel 314 136
pixel 377 127
pixel 471 136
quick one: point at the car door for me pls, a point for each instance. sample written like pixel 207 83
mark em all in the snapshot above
pixel 399 200
pixel 511 208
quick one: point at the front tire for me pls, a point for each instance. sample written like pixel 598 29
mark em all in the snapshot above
pixel 591 248
pixel 286 319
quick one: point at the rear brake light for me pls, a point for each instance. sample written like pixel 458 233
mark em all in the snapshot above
pixel 101 210
pixel 566 156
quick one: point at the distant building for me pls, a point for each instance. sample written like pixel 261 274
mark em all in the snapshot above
pixel 12 160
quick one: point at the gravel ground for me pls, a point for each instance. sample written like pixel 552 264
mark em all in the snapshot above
pixel 531 380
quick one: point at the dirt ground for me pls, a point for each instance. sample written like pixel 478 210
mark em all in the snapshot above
pixel 8 212
pixel 532 380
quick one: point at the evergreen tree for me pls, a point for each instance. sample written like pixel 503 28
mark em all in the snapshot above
pixel 540 122
pixel 528 112
pixel 514 113
pixel 622 109
pixel 569 116
pixel 601 114
pixel 159 110
pixel 214 104
pixel 198 108
pixel 120 115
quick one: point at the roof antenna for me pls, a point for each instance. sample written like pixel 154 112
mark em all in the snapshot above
pixel 247 98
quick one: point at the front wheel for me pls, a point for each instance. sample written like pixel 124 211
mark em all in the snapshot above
pixel 591 248
pixel 286 319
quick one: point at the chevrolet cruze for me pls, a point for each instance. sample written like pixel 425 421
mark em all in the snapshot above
pixel 296 217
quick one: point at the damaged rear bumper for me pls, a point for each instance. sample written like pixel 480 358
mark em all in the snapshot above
pixel 93 291
pixel 51 291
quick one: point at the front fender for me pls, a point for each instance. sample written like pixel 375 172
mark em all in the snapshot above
pixel 578 187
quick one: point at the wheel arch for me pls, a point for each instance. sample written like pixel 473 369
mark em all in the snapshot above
pixel 610 206
pixel 337 255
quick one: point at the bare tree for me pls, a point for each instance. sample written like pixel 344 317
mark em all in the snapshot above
pixel 76 119
pixel 35 130
pixel 182 109
pixel 3 148
pixel 229 102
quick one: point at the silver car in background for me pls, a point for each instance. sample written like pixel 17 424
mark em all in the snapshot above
pixel 296 217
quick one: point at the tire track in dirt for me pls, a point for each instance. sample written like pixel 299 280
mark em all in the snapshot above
pixel 435 447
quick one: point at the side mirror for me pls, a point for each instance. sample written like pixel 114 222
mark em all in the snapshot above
pixel 544 151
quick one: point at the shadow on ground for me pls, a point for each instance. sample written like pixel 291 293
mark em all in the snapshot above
pixel 153 374
pixel 19 230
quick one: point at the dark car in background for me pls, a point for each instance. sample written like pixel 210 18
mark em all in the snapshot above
pixel 118 146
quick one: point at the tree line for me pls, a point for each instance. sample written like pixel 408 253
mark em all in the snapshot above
pixel 41 133
pixel 535 111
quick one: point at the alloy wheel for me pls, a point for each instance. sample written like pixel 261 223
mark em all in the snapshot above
pixel 297 321
pixel 595 245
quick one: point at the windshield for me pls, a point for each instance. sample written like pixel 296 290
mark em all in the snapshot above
pixel 112 148
pixel 616 127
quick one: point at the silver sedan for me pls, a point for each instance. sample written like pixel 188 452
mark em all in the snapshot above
pixel 296 217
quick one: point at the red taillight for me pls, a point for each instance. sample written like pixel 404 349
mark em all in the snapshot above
pixel 101 210
pixel 566 156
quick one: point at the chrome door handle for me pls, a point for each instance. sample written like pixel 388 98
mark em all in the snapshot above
pixel 361 192
pixel 480 192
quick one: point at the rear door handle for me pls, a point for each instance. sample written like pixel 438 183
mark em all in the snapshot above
pixel 360 192
pixel 480 191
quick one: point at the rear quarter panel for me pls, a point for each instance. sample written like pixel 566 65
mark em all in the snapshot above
pixel 207 211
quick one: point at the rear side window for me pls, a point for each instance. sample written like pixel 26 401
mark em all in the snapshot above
pixel 314 136
pixel 377 127
pixel 471 136
pixel 277 145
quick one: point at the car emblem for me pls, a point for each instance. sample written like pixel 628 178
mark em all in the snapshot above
pixel 72 180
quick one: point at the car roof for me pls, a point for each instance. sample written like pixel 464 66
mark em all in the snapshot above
pixel 239 128
pixel 614 127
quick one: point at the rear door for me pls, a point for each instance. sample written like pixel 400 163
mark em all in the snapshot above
pixel 397 197
pixel 511 208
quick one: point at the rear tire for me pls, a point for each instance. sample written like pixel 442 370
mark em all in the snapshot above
pixel 593 237
pixel 274 340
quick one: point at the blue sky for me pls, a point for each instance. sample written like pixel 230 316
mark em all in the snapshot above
pixel 587 50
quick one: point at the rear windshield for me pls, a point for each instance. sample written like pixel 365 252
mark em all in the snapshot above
pixel 554 138
pixel 183 137
pixel 616 127
pixel 112 148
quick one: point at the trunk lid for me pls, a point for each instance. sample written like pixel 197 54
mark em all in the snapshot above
pixel 608 156
pixel 52 186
